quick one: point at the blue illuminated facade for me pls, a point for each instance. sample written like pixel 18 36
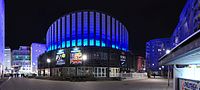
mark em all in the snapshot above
pixel 87 28
pixel 189 22
pixel 36 50
pixel 2 32
pixel 154 50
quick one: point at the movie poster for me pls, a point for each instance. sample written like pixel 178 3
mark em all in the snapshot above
pixel 75 56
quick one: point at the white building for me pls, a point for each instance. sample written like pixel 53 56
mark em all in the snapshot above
pixel 36 50
pixel 7 62
pixel 21 60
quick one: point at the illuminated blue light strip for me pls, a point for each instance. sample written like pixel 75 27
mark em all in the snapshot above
pixel 85 42
pixel 68 43
pixel 103 31
pixel 113 33
pixel 97 29
pixel 91 42
pixel 68 30
pixel 97 43
pixel 103 44
pixel 85 29
pixel 113 46
pixel 57 37
pixel 73 29
pixel 73 43
pixel 108 31
pixel 79 42
pixel 63 32
pixel 91 28
pixel 59 34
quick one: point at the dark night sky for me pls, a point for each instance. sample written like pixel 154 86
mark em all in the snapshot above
pixel 28 20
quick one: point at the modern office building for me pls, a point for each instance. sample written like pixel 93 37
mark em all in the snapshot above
pixel 86 43
pixel 21 61
pixel 154 50
pixel 36 50
pixel 2 35
pixel 7 62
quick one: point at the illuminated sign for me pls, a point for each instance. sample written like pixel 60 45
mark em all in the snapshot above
pixel 60 57
pixel 122 60
pixel 75 56
pixel 189 85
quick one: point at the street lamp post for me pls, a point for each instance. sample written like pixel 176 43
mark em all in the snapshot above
pixel 49 62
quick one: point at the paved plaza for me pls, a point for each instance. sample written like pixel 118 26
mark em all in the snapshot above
pixel 37 84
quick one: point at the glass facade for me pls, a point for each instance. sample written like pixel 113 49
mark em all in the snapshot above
pixel 87 28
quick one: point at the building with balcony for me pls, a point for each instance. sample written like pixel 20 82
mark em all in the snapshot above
pixel 86 43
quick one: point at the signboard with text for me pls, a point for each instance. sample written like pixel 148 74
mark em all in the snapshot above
pixel 185 84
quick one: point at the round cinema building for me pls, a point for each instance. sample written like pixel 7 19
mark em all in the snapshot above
pixel 86 43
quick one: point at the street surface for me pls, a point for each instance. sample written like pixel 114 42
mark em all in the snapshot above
pixel 38 84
